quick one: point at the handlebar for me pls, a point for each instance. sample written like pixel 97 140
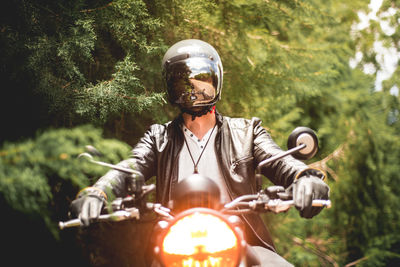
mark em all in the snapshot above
pixel 247 203
pixel 243 204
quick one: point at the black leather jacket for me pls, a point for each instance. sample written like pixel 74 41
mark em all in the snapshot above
pixel 241 144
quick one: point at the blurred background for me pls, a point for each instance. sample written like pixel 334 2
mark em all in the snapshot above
pixel 84 72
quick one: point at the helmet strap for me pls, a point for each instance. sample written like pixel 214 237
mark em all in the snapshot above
pixel 199 111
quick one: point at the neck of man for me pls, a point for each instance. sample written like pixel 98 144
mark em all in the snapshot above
pixel 200 125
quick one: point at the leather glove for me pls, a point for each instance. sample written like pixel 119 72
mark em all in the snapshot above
pixel 88 205
pixel 308 187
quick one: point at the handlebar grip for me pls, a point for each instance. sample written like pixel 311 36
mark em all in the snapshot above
pixel 321 203
pixel 70 223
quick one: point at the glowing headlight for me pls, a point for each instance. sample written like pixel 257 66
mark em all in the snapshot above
pixel 200 239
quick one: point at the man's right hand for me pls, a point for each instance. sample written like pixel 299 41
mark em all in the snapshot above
pixel 88 205
pixel 87 208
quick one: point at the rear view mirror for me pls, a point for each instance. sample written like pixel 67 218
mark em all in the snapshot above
pixel 303 136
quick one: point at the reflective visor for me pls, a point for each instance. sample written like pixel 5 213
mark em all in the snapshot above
pixel 193 82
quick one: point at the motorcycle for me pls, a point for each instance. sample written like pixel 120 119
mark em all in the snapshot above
pixel 196 229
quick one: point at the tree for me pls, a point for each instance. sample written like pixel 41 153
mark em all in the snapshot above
pixel 75 62
pixel 287 62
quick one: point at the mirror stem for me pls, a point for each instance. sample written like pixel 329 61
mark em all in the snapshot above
pixel 278 156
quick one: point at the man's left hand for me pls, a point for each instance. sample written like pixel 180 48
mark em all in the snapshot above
pixel 305 190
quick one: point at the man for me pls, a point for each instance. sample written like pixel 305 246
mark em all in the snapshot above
pixel 200 140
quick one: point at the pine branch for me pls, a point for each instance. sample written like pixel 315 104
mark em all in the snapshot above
pixel 322 164
pixel 97 8
pixel 356 262
pixel 205 26
pixel 302 243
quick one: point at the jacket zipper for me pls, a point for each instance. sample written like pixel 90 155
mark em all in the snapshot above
pixel 237 162
pixel 172 174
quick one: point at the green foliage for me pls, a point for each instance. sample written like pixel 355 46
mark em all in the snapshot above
pixel 135 33
pixel 83 59
pixel 287 62
pixel 121 95
pixel 39 177
pixel 372 153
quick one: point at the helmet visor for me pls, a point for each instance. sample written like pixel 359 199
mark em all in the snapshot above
pixel 193 82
